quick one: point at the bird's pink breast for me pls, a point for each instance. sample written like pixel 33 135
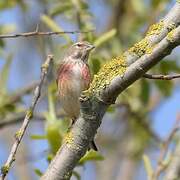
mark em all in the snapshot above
pixel 72 79
pixel 73 74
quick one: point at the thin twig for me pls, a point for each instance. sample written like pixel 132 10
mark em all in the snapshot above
pixel 161 166
pixel 38 33
pixel 19 134
pixel 161 77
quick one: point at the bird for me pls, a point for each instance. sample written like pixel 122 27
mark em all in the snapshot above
pixel 73 77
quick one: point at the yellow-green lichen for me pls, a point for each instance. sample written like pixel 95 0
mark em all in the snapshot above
pixel 44 67
pixel 170 36
pixel 155 29
pixel 144 47
pixel 67 176
pixel 111 69
pixel 29 114
pixel 5 169
pixel 69 140
pixel 141 48
pixel 18 134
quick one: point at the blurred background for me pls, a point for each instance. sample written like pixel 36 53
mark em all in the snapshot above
pixel 143 115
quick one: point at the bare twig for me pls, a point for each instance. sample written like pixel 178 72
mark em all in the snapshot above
pixel 161 166
pixel 161 77
pixel 38 33
pixel 19 134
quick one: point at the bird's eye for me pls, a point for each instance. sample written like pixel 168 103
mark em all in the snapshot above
pixel 79 45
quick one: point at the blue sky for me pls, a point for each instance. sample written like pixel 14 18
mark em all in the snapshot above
pixel 164 116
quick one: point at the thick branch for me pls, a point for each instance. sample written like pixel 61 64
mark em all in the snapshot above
pixel 19 134
pixel 161 77
pixel 142 65
pixel 94 106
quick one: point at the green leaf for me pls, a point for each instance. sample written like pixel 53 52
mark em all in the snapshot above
pixel 155 3
pixel 138 7
pixel 49 157
pixel 38 137
pixel 38 172
pixel 7 28
pixel 2 43
pixel 91 156
pixel 165 87
pixel 52 112
pixel 7 4
pixel 105 37
pixel 145 91
pixel 4 74
pixel 76 174
pixel 54 137
pixel 83 5
pixel 148 166
pixel 169 66
pixel 111 109
pixel 60 8
pixel 95 65
pixel 54 27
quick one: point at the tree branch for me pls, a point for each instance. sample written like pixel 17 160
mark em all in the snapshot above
pixel 19 134
pixel 113 78
pixel 161 77
pixel 161 165
pixel 38 33
pixel 173 170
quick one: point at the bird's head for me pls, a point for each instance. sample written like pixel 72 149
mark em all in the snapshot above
pixel 80 50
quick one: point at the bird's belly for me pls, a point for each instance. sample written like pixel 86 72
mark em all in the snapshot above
pixel 70 105
pixel 69 93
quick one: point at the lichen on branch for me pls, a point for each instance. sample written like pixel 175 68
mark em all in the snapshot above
pixel 117 66
pixel 145 46
pixel 155 29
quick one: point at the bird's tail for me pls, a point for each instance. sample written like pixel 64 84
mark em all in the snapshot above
pixel 93 146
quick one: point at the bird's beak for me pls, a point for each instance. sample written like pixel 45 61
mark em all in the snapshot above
pixel 90 47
